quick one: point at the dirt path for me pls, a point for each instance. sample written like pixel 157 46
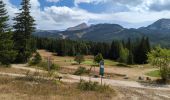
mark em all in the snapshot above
pixel 125 93
pixel 111 82
pixel 24 67
pixel 122 83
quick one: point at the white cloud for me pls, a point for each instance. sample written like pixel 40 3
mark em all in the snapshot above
pixel 52 0
pixel 12 10
pixel 77 2
pixel 54 17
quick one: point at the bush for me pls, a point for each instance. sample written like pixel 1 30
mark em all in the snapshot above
pixel 94 86
pixel 161 58
pixel 55 67
pixel 79 58
pixel 98 58
pixel 81 70
pixel 36 59
pixel 6 65
pixel 44 65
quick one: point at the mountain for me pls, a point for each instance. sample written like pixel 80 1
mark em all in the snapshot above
pixel 162 24
pixel 158 32
pixel 47 33
pixel 78 27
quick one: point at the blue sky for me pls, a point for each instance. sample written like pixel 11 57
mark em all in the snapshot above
pixel 61 14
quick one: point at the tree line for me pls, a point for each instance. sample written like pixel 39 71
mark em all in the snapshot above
pixel 123 51
pixel 16 44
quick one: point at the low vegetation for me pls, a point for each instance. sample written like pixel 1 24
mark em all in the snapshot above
pixel 94 86
pixel 36 59
pixel 48 66
pixel 79 58
pixel 19 89
pixel 81 71
pixel 155 73
pixel 161 58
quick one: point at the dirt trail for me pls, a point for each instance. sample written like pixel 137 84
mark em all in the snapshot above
pixel 24 67
pixel 111 82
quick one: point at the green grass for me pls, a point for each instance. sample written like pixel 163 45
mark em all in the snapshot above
pixel 110 62
pixel 107 62
pixel 88 62
pixel 154 73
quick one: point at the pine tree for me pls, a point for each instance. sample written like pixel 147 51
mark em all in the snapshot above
pixel 130 59
pixel 7 54
pixel 114 51
pixel 141 51
pixel 124 52
pixel 24 26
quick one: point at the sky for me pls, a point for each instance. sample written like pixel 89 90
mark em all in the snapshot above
pixel 61 14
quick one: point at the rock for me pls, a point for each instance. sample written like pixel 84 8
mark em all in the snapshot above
pixel 148 78
pixel 140 78
pixel 96 76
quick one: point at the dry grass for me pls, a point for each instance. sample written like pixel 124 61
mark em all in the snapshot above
pixel 19 89
pixel 111 67
pixel 12 70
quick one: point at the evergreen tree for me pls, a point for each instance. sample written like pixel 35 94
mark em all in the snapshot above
pixel 123 54
pixel 129 44
pixel 141 51
pixel 130 59
pixel 98 58
pixel 114 51
pixel 7 54
pixel 24 26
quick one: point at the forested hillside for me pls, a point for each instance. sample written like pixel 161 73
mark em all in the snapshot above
pixel 158 33
pixel 125 52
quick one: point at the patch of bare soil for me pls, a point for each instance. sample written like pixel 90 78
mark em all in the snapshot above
pixel 127 93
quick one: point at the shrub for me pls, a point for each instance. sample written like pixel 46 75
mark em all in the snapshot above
pixel 80 71
pixel 94 86
pixel 55 67
pixel 79 58
pixel 44 65
pixel 36 59
pixel 6 65
pixel 161 58
pixel 98 58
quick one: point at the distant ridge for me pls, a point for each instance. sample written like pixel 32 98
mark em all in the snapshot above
pixel 158 32
pixel 78 27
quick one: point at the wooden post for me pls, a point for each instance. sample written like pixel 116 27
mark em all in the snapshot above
pixel 101 79
pixel 89 77
pixel 48 60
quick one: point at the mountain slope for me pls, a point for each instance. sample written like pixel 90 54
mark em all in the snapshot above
pixel 78 27
pixel 158 32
